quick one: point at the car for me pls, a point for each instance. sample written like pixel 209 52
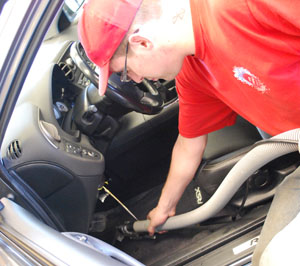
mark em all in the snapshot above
pixel 80 171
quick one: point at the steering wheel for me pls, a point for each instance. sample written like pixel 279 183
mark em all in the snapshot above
pixel 128 94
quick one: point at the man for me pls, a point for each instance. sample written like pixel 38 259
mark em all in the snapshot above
pixel 228 56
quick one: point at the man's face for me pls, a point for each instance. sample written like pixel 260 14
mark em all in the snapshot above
pixel 151 64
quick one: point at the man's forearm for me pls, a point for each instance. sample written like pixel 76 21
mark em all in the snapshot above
pixel 186 157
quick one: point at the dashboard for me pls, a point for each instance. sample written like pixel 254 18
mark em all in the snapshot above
pixel 43 146
pixel 53 144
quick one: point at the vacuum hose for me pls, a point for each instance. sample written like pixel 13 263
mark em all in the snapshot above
pixel 260 155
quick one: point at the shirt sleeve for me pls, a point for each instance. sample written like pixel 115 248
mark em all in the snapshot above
pixel 279 15
pixel 200 111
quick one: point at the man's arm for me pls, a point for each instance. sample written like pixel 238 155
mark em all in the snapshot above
pixel 186 157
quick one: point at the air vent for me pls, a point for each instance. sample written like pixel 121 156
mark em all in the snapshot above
pixel 67 69
pixel 14 150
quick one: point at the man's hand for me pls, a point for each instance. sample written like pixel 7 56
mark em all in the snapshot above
pixel 157 217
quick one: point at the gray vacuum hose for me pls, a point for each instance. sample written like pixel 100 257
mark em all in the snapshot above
pixel 252 161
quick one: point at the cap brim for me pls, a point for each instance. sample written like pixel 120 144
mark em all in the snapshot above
pixel 104 74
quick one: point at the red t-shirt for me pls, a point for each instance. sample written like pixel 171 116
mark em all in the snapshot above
pixel 247 62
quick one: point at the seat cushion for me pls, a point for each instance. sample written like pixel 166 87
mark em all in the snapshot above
pixel 229 139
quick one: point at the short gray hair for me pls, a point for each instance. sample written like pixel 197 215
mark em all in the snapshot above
pixel 149 10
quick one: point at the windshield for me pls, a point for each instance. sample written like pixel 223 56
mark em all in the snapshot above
pixel 71 8
pixel 12 15
pixel 10 19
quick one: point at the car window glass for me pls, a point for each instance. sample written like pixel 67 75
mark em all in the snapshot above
pixel 71 8
pixel 10 19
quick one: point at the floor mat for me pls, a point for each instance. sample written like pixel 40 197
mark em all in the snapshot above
pixel 105 223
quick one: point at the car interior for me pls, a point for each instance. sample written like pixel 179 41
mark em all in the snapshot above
pixel 72 152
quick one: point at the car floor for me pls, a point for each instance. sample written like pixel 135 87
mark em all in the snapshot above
pixel 136 177
pixel 197 239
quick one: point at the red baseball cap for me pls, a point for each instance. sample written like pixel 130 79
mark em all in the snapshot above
pixel 101 28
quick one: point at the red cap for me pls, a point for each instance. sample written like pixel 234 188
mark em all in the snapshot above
pixel 101 28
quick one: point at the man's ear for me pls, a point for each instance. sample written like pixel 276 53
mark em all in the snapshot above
pixel 138 41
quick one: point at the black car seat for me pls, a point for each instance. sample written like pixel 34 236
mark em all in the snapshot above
pixel 224 149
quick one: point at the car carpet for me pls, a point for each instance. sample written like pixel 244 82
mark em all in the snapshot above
pixel 105 223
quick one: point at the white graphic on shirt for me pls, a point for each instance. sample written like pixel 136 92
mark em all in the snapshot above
pixel 248 78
